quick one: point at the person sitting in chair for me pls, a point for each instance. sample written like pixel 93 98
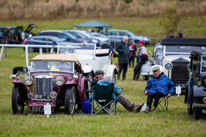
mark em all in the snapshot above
pixel 157 87
pixel 101 80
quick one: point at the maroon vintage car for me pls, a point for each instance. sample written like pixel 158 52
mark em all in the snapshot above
pixel 54 79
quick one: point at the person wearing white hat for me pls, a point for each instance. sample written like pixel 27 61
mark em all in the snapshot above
pixel 158 86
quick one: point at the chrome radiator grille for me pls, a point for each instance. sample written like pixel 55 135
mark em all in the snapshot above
pixel 179 71
pixel 43 85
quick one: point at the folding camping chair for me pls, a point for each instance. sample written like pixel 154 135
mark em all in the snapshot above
pixel 162 105
pixel 104 99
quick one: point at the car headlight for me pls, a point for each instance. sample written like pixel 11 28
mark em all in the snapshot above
pixel 95 41
pixel 28 80
pixel 145 38
pixel 53 94
pixel 59 80
pixel 168 66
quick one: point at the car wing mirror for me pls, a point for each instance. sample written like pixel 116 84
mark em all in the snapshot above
pixel 68 39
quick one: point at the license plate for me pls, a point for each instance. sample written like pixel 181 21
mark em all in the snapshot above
pixel 39 109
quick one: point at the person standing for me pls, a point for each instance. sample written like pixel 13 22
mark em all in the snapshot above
pixel 10 38
pixel 123 59
pixel 179 34
pixel 142 57
pixel 132 50
pixel 6 34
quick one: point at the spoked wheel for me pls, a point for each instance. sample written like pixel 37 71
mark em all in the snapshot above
pixel 17 101
pixel 70 100
pixel 89 79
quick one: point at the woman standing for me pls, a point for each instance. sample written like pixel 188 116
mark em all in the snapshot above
pixel 132 50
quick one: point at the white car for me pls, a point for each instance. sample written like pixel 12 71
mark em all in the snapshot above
pixel 91 59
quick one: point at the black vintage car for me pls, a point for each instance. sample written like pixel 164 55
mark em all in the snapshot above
pixel 196 86
pixel 18 33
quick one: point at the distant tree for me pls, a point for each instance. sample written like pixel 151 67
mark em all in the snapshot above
pixel 170 20
pixel 47 1
pixel 128 1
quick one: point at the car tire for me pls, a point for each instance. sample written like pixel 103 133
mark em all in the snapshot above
pixel 89 77
pixel 113 77
pixel 17 101
pixel 196 110
pixel 189 103
pixel 145 77
pixel 70 100
pixel 86 95
pixel 136 43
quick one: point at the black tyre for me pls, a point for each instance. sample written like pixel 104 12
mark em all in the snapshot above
pixel 86 95
pixel 189 103
pixel 145 77
pixel 114 77
pixel 17 101
pixel 196 110
pixel 196 113
pixel 70 100
pixel 89 77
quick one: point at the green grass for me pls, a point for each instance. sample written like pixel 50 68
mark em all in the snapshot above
pixel 174 122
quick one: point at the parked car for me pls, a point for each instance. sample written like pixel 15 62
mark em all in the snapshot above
pixel 102 42
pixel 119 34
pixel 43 40
pixel 195 96
pixel 54 79
pixel 92 59
pixel 173 55
pixel 63 35
pixel 84 37
pixel 18 33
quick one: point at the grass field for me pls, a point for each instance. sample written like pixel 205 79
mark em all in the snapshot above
pixel 174 122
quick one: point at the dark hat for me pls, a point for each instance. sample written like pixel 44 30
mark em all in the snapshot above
pixel 142 42
pixel 98 72
pixel 155 68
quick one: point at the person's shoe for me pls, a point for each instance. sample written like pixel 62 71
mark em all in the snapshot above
pixel 147 109
pixel 137 108
pixel 154 110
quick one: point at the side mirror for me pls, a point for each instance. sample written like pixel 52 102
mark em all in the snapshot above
pixel 68 39
pixel 75 77
pixel 54 42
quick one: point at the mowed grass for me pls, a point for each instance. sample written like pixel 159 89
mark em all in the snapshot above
pixel 174 122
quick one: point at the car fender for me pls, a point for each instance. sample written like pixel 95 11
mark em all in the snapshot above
pixel 146 68
pixel 110 69
pixel 87 69
pixel 22 86
pixel 199 91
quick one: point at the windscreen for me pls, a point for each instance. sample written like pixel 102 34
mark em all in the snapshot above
pixel 57 66
pixel 181 50
pixel 77 48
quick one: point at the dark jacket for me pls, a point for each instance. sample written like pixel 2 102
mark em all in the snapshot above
pixel 134 52
pixel 123 50
pixel 162 84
